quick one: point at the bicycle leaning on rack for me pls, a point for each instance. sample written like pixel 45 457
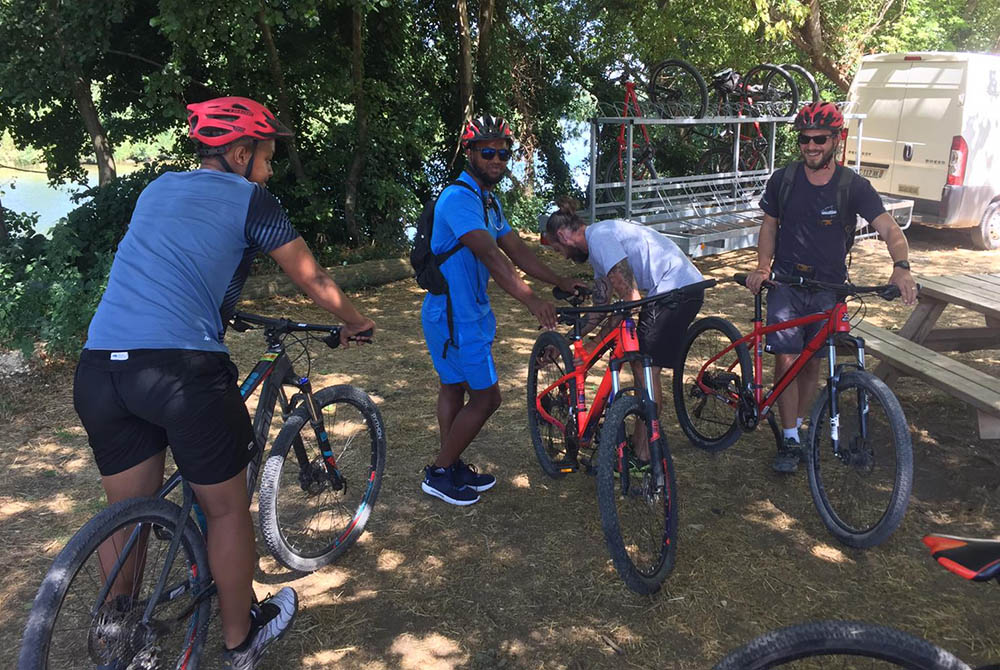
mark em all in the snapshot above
pixel 638 506
pixel 147 604
pixel 858 451
pixel 843 644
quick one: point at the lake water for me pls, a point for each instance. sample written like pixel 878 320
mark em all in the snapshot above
pixel 30 192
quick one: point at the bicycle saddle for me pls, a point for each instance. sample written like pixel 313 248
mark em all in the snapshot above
pixel 972 558
pixel 723 74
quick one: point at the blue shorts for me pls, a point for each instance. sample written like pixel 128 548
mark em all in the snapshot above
pixel 470 358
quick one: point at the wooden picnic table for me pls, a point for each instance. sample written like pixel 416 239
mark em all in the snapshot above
pixel 912 351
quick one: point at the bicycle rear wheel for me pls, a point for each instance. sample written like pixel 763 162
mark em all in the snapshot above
pixel 861 493
pixel 677 89
pixel 839 644
pixel 805 82
pixel 309 516
pixel 707 401
pixel 69 628
pixel 638 505
pixel 769 91
pixel 555 446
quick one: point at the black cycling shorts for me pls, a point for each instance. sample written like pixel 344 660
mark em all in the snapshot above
pixel 662 328
pixel 134 403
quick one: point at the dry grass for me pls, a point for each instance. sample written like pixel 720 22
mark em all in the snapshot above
pixel 522 580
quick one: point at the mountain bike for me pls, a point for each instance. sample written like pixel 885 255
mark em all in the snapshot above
pixel 677 89
pixel 315 502
pixel 638 505
pixel 858 451
pixel 846 644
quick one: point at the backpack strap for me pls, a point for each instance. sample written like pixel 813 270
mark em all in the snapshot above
pixel 848 218
pixel 785 188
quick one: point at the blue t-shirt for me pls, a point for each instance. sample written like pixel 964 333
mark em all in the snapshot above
pixel 459 211
pixel 180 268
pixel 811 233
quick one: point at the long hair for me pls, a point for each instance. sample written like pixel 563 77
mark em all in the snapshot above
pixel 564 217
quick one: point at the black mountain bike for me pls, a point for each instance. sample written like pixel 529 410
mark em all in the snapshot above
pixel 147 603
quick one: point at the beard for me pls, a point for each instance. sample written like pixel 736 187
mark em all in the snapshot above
pixel 484 176
pixel 824 158
pixel 578 255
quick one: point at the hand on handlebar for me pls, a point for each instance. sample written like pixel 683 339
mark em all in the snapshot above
pixel 907 285
pixel 350 332
pixel 571 285
pixel 756 279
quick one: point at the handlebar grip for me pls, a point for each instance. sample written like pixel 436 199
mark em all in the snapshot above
pixel 890 292
pixel 740 278
pixel 560 294
pixel 363 335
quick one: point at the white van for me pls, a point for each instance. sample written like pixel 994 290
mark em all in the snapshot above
pixel 932 135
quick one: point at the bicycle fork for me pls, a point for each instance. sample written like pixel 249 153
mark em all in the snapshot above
pixel 307 476
pixel 832 396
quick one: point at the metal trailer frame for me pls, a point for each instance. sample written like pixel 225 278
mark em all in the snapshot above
pixel 703 214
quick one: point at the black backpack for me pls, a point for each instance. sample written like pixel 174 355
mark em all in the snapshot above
pixel 427 264
pixel 844 176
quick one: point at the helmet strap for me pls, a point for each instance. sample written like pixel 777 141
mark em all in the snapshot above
pixel 253 154
pixel 225 163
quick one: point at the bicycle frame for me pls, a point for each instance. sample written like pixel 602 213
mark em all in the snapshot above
pixel 623 343
pixel 631 105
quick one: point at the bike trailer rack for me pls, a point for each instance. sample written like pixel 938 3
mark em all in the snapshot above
pixel 703 214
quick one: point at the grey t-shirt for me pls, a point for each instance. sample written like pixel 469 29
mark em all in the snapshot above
pixel 657 263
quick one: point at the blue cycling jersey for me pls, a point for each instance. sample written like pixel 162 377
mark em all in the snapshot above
pixel 181 266
pixel 459 211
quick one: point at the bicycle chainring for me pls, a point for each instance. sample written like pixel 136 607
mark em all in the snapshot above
pixel 748 414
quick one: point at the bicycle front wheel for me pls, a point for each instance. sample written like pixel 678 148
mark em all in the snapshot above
pixel 68 626
pixel 861 491
pixel 839 644
pixel 312 512
pixel 554 439
pixel 805 82
pixel 638 504
pixel 707 397
pixel 769 91
pixel 677 90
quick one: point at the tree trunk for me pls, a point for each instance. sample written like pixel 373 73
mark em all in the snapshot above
pixel 464 69
pixel 486 9
pixel 361 121
pixel 80 85
pixel 102 146
pixel 809 37
pixel 3 225
pixel 284 109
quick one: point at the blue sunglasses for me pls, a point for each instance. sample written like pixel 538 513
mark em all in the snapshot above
pixel 489 152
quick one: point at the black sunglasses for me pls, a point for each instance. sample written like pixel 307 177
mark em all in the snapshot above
pixel 818 140
pixel 489 152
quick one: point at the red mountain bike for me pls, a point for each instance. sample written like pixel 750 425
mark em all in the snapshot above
pixel 638 504
pixel 858 452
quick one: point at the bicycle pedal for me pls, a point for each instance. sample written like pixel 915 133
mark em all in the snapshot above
pixel 566 466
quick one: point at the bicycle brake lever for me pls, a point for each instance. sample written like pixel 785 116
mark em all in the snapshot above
pixel 239 326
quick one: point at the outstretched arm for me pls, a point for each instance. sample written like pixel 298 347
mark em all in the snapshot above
pixel 899 250
pixel 524 258
pixel 481 243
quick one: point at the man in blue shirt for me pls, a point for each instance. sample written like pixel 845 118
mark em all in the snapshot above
pixel 463 358
pixel 154 370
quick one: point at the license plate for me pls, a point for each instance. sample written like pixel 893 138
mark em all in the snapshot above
pixel 871 172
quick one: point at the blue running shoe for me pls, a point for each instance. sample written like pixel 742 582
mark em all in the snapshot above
pixel 269 621
pixel 463 473
pixel 440 483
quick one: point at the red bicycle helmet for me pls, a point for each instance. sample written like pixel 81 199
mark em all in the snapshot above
pixel 220 121
pixel 819 116
pixel 487 127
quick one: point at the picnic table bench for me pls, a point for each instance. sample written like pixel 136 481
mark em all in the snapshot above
pixel 915 349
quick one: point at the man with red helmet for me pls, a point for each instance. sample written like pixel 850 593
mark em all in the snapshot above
pixel 469 219
pixel 804 234
pixel 154 370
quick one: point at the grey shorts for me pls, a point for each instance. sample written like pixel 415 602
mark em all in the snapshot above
pixel 785 303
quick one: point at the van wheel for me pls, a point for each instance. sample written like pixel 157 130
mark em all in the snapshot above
pixel 987 234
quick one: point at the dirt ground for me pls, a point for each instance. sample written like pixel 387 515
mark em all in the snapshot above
pixel 522 579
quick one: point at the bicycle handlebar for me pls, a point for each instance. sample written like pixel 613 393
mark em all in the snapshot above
pixel 243 321
pixel 885 291
pixel 622 307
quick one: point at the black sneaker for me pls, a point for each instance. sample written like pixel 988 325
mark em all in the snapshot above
pixel 463 473
pixel 788 457
pixel 268 622
pixel 442 485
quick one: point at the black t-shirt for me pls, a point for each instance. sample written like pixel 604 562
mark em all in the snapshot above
pixel 811 233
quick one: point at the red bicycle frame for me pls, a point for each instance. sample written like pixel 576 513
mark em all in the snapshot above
pixel 623 343
pixel 631 100
pixel 837 321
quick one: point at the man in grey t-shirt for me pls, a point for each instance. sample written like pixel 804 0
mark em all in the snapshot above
pixel 628 258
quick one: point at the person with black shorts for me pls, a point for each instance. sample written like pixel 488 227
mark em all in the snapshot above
pixel 628 258
pixel 807 236
pixel 155 372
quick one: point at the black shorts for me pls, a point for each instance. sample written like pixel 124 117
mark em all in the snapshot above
pixel 787 302
pixel 132 409
pixel 662 329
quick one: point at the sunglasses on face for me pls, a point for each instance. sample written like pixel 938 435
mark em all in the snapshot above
pixel 489 152
pixel 818 140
